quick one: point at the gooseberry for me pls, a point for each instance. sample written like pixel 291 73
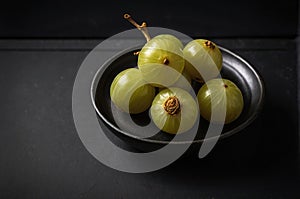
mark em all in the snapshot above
pixel 174 110
pixel 222 97
pixel 203 59
pixel 130 92
pixel 161 59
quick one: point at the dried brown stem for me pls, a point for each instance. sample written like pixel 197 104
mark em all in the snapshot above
pixel 142 28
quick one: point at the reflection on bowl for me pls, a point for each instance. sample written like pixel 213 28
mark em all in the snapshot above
pixel 234 68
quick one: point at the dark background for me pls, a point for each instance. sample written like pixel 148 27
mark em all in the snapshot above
pixel 43 43
pixel 96 19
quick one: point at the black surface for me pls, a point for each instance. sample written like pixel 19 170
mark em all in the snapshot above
pixel 41 155
pixel 99 19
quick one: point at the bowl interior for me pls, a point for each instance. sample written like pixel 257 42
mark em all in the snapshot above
pixel 234 68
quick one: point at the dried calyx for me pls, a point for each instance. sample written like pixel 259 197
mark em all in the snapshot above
pixel 209 44
pixel 172 105
pixel 166 61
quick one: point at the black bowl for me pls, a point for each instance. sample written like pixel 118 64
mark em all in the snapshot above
pixel 234 68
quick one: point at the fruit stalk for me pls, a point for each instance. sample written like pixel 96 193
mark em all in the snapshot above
pixel 142 28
